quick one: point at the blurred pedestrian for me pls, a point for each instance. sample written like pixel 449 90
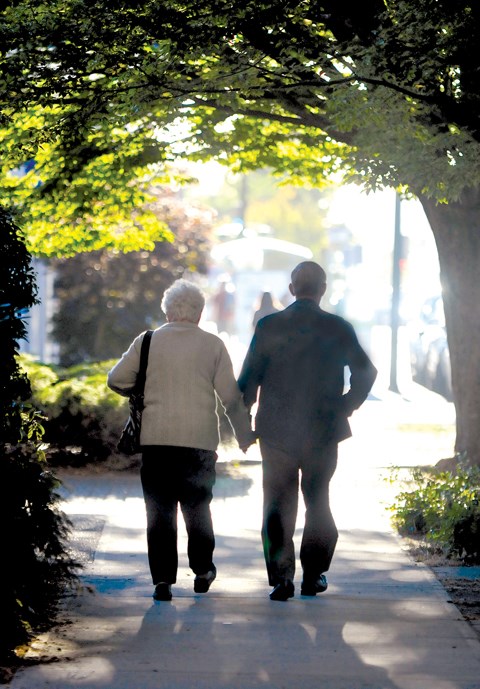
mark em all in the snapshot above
pixel 267 307
pixel 297 359
pixel 187 368
pixel 223 305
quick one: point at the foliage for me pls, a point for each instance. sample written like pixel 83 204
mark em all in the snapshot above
pixel 39 567
pixel 98 199
pixel 444 508
pixel 83 418
pixel 17 294
pixel 387 93
pixel 386 96
pixel 105 299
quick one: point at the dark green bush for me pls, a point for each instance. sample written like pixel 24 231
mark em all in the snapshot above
pixel 39 569
pixel 444 509
pixel 36 568
pixel 84 418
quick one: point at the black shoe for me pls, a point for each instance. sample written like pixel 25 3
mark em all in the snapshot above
pixel 312 587
pixel 163 591
pixel 203 582
pixel 283 591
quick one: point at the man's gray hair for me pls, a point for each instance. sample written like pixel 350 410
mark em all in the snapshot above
pixel 183 301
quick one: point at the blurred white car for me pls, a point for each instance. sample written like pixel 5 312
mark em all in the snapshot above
pixel 430 358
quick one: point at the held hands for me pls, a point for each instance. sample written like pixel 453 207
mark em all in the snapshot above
pixel 245 445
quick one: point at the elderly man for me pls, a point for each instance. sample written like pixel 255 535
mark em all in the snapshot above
pixel 297 359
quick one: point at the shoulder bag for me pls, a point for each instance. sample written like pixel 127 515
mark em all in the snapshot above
pixel 129 443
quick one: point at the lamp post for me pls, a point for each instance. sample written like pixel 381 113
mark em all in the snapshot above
pixel 395 317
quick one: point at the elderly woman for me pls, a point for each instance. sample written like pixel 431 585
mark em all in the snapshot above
pixel 187 368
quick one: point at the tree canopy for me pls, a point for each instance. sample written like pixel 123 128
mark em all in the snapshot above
pixel 105 298
pixel 101 98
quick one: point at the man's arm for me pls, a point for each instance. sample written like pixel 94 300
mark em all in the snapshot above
pixel 251 374
pixel 362 375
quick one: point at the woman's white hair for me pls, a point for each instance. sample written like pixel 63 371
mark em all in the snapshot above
pixel 183 301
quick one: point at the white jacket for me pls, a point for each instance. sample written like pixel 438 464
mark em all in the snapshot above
pixel 186 367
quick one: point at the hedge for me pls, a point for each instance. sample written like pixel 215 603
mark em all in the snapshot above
pixel 84 418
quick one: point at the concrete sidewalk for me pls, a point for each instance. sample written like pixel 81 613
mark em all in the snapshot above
pixel 384 623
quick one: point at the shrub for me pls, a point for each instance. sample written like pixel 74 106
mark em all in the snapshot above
pixel 40 568
pixel 83 417
pixel 444 509
pixel 34 531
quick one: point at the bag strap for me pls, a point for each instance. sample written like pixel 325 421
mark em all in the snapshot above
pixel 142 371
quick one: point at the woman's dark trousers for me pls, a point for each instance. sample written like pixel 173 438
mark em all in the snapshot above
pixel 171 475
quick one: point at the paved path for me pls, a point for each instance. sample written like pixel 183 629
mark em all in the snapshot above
pixel 384 623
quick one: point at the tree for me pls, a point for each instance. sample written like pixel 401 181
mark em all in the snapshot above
pixel 384 93
pixel 106 298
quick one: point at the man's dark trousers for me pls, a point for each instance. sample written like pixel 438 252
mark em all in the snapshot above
pixel 281 471
pixel 172 475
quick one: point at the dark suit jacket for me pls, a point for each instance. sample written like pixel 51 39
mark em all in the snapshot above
pixel 297 358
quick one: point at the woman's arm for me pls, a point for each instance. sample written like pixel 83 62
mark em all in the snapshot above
pixel 123 376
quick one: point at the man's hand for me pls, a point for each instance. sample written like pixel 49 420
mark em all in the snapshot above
pixel 244 446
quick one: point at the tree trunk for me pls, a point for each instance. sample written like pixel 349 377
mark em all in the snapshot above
pixel 456 228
